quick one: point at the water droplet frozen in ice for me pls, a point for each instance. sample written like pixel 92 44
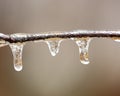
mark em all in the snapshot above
pixel 17 49
pixel 53 45
pixel 83 44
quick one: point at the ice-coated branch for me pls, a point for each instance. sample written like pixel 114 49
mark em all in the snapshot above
pixel 20 37
pixel 53 39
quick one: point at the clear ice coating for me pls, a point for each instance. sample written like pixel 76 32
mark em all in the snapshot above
pixel 83 44
pixel 53 45
pixel 116 39
pixel 17 49
pixel 2 42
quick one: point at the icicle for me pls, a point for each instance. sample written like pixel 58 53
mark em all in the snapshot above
pixel 53 45
pixel 17 49
pixel 83 44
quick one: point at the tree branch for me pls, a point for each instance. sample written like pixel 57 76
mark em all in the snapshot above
pixel 20 37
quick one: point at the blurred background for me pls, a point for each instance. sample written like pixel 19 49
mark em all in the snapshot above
pixel 63 75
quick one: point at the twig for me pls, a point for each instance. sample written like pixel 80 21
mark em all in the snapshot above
pixel 20 37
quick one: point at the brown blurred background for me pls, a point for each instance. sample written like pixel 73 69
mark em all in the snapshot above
pixel 63 75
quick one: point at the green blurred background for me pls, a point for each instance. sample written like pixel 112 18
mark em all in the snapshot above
pixel 63 75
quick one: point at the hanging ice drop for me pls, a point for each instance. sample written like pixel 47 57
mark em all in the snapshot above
pixel 83 44
pixel 17 49
pixel 53 46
